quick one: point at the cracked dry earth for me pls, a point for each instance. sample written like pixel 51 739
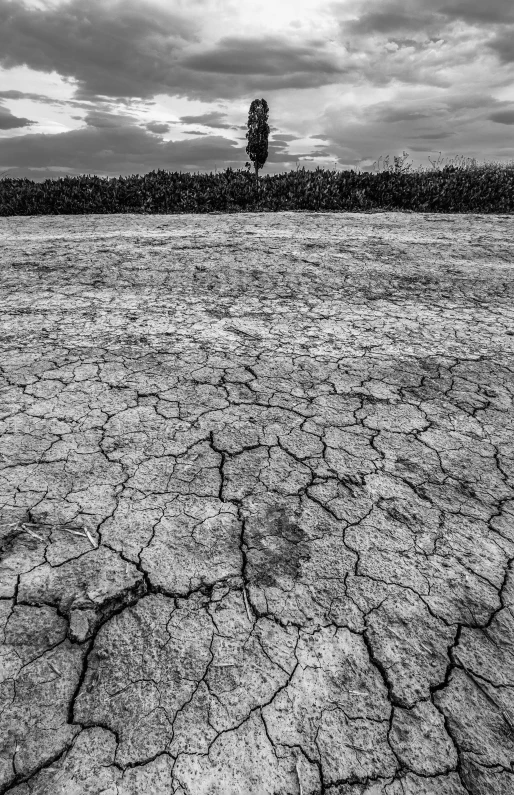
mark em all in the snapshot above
pixel 257 502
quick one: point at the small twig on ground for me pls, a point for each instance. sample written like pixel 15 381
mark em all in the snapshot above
pixel 27 529
pixel 91 539
pixel 298 776
pixel 245 600
pixel 244 333
pixel 54 668
pixel 85 534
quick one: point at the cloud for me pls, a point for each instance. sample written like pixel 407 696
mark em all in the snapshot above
pixel 101 118
pixel 387 21
pixel 503 116
pixel 503 45
pixel 110 47
pixel 262 55
pixel 492 12
pixel 424 41
pixel 249 66
pixel 44 99
pixel 393 115
pixel 427 17
pixel 212 119
pixel 10 122
pixel 12 94
pixel 426 111
pixel 439 136
pixel 418 125
pixel 157 127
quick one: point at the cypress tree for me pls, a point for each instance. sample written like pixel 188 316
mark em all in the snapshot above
pixel 257 135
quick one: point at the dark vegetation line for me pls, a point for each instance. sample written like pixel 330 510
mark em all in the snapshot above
pixel 487 188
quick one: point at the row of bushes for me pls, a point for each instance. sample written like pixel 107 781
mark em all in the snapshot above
pixel 482 189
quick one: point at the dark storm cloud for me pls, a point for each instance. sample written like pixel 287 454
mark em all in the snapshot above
pixel 238 66
pixel 444 109
pixel 386 21
pixel 112 47
pixel 10 122
pixel 101 118
pixel 212 119
pixel 434 136
pixel 503 45
pixel 46 100
pixel 12 94
pixel 492 12
pixel 263 55
pixel 392 115
pixel 157 127
pixel 503 116
pixel 425 16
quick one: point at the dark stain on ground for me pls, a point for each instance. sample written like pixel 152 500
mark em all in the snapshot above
pixel 276 548
pixel 218 313
pixel 8 541
pixel 400 512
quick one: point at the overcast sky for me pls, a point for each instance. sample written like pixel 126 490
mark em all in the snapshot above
pixel 127 86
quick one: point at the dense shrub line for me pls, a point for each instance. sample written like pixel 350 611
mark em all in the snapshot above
pixel 483 189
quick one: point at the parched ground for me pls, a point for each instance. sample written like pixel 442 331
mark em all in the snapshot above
pixel 257 502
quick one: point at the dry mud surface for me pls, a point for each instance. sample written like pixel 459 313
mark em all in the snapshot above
pixel 257 502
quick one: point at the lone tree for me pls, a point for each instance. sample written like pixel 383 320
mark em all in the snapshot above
pixel 258 131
